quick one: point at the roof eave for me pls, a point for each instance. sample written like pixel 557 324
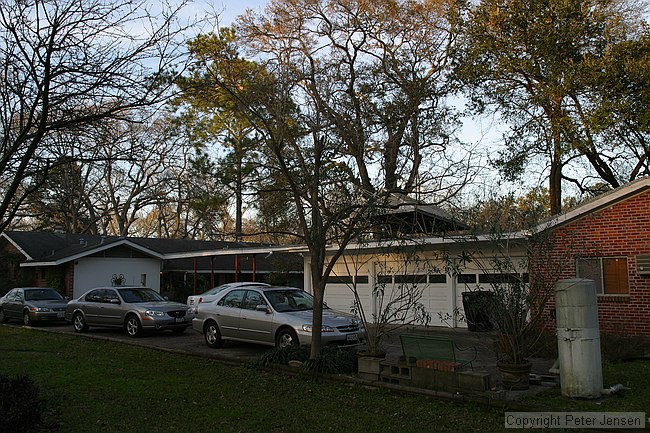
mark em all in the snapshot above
pixel 600 202
pixel 18 247
pixel 100 248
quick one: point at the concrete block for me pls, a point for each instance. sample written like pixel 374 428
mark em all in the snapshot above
pixel 368 364
pixel 474 380
pixel 423 378
pixel 446 381
pixel 369 376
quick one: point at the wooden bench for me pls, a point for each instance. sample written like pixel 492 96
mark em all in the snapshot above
pixel 430 347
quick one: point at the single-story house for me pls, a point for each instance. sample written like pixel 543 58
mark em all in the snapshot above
pixel 74 263
pixel 606 239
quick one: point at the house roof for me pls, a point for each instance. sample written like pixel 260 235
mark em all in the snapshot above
pixel 51 249
pixel 597 203
pixel 424 217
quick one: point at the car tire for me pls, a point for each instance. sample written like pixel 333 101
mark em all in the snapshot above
pixel 286 337
pixel 132 326
pixel 212 335
pixel 3 317
pixel 79 322
pixel 26 320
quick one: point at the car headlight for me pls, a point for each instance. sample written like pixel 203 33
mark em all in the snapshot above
pixel 153 313
pixel 324 328
pixel 40 309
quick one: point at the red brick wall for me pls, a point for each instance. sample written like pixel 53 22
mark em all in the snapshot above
pixel 621 230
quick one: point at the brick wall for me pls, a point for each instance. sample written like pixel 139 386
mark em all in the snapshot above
pixel 621 230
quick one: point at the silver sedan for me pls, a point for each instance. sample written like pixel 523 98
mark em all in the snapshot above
pixel 135 309
pixel 212 294
pixel 32 304
pixel 279 316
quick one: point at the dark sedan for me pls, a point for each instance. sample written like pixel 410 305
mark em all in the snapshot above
pixel 32 304
pixel 135 309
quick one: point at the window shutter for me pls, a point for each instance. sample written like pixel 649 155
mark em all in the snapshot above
pixel 615 276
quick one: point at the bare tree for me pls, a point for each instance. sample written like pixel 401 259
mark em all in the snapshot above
pixel 68 64
pixel 347 97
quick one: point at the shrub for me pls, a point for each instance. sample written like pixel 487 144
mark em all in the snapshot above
pixel 21 408
pixel 617 348
pixel 282 355
pixel 333 360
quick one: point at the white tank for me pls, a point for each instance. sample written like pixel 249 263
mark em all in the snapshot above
pixel 578 338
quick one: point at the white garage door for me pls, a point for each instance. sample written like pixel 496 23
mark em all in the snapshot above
pixel 96 272
pixel 436 296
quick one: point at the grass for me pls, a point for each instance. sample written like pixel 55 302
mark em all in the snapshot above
pixel 634 375
pixel 102 386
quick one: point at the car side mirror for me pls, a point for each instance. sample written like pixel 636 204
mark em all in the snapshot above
pixel 262 307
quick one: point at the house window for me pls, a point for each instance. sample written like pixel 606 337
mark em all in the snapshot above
pixel 609 274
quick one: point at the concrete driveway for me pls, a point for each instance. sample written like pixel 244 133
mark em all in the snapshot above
pixel 189 342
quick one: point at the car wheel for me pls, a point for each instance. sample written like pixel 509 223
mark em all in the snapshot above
pixel 286 337
pixel 3 318
pixel 79 322
pixel 26 320
pixel 132 326
pixel 212 335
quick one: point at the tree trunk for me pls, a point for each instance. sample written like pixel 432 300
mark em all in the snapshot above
pixel 317 319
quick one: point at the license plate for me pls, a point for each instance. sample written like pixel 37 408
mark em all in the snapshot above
pixel 180 319
pixel 352 337
pixel 60 315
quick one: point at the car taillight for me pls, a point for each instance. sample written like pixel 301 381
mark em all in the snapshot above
pixel 200 300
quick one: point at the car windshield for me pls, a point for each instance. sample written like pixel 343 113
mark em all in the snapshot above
pixel 133 296
pixel 42 295
pixel 216 290
pixel 290 300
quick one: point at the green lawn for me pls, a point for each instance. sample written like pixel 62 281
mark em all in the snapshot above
pixel 101 386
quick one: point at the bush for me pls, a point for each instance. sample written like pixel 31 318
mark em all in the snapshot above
pixel 617 348
pixel 333 360
pixel 21 408
pixel 282 355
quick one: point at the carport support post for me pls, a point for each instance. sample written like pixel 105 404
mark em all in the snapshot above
pixel 211 271
pixel 236 269
pixel 195 275
pixel 254 267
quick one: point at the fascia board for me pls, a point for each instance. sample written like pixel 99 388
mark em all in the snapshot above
pixel 92 251
pixel 12 242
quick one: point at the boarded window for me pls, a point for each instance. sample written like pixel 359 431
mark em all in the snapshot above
pixel 608 273
pixel 385 279
pixel 438 279
pixel 339 280
pixel 362 279
pixel 467 278
pixel 410 279
pixel 347 279
pixel 498 278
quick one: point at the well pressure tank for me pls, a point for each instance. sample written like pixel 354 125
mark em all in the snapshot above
pixel 578 338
